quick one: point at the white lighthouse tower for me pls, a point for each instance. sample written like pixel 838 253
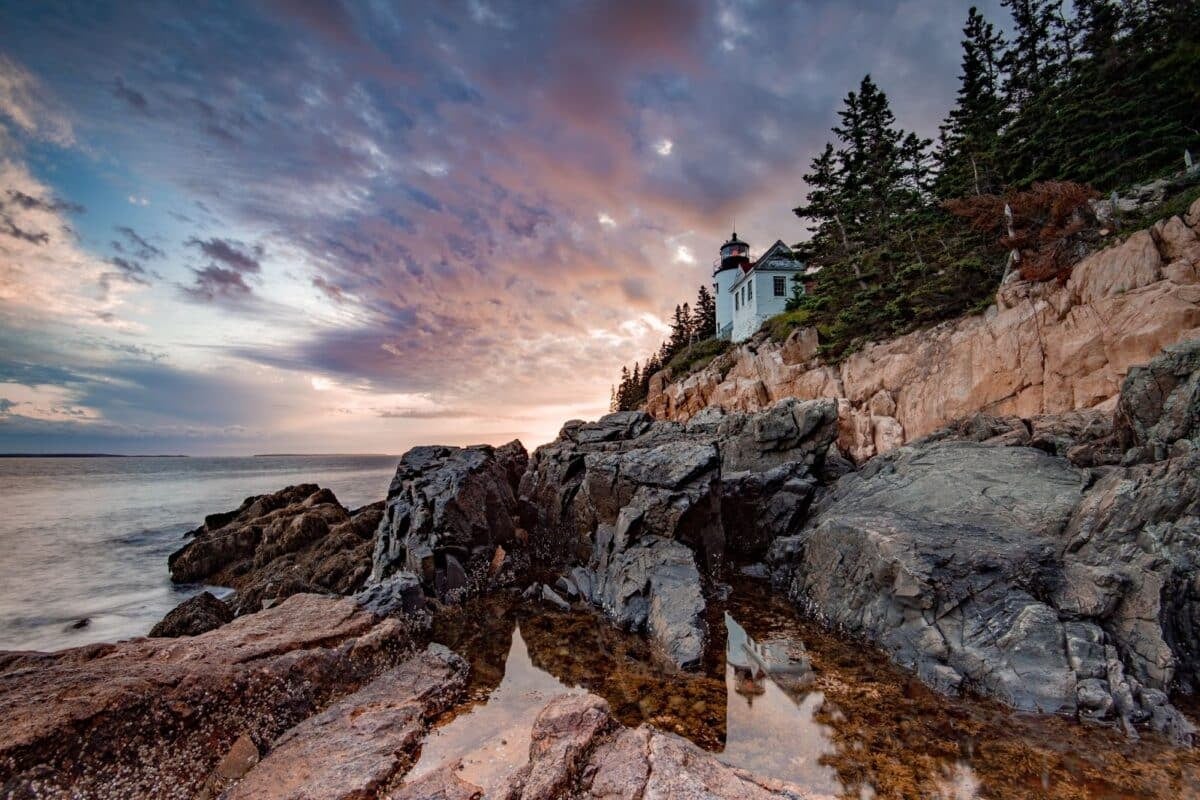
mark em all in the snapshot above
pixel 735 259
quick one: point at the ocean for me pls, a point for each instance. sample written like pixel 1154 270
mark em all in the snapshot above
pixel 88 538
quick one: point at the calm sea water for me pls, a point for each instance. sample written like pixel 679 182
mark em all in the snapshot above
pixel 89 537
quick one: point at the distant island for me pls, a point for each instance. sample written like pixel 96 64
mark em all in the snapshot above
pixel 324 455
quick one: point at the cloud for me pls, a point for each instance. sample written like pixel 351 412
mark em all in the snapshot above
pixel 224 278
pixel 237 256
pixel 136 245
pixel 132 98
pixel 46 277
pixel 439 187
pixel 26 104
pixel 328 289
pixel 215 283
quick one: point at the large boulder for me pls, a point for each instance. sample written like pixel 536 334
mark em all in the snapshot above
pixel 193 616
pixel 987 566
pixel 152 717
pixel 297 540
pixel 447 511
pixel 1131 561
pixel 640 512
pixel 938 552
pixel 1159 410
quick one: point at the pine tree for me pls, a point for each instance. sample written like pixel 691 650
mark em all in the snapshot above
pixel 883 170
pixel 1031 62
pixel 680 332
pixel 623 390
pixel 823 209
pixel 969 142
pixel 704 316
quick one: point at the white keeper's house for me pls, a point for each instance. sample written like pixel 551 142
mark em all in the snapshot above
pixel 749 292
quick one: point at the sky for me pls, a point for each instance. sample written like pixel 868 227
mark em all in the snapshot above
pixel 233 228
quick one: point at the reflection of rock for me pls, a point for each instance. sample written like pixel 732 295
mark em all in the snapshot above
pixel 447 511
pixel 356 746
pixel 160 713
pixel 296 540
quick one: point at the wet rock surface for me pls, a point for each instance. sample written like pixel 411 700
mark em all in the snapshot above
pixel 297 540
pixel 194 616
pixel 849 724
pixel 576 751
pixel 447 511
pixel 634 508
pixel 154 716
pixel 935 552
pixel 357 746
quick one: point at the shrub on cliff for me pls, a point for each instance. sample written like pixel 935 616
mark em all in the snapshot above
pixel 697 356
pixel 1049 227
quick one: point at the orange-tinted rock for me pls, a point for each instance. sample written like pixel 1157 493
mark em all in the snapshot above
pixel 240 759
pixel 154 716
pixel 575 753
pixel 1042 349
pixel 358 745
pixel 299 539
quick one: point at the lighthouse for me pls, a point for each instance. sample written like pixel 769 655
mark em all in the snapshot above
pixel 734 260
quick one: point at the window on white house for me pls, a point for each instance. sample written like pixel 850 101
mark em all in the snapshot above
pixel 780 286
pixel 750 290
pixel 737 297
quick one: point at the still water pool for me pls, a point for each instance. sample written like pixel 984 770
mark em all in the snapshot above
pixel 781 697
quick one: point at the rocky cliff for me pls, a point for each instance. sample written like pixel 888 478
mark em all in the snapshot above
pixel 1042 348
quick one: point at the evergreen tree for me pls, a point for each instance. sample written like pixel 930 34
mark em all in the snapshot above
pixel 704 316
pixel 1120 105
pixel 882 171
pixel 968 147
pixel 680 333
pixel 823 209
pixel 623 390
pixel 1032 61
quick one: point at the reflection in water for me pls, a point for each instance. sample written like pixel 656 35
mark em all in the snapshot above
pixel 766 703
pixel 782 697
pixel 771 730
pixel 492 739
